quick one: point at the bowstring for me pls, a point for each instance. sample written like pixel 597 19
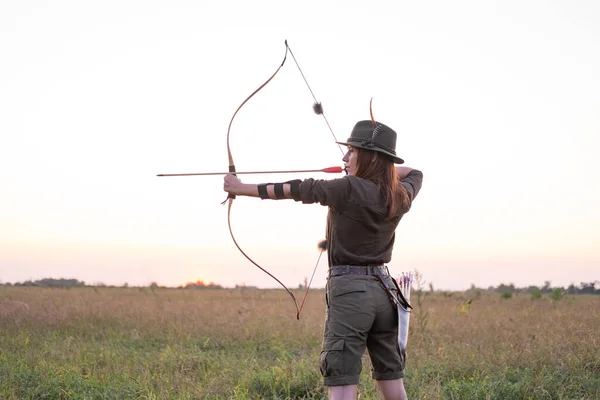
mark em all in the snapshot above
pixel 314 97
pixel 341 151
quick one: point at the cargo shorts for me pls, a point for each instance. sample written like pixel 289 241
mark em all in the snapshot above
pixel 360 314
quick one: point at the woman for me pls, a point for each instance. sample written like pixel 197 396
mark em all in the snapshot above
pixel 365 208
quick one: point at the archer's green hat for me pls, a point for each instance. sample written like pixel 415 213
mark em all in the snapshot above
pixel 374 136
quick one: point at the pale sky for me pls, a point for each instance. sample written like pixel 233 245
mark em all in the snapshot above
pixel 496 102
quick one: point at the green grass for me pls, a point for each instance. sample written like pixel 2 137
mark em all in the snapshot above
pixel 110 343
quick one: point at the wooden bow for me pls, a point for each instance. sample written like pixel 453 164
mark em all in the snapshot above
pixel 319 110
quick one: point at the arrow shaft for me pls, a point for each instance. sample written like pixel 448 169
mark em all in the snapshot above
pixel 326 170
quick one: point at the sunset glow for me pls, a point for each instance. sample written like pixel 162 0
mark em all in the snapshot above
pixel 497 104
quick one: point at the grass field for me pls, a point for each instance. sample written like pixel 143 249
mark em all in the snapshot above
pixel 138 343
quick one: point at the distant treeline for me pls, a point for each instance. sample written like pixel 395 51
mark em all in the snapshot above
pixel 582 288
pixel 50 282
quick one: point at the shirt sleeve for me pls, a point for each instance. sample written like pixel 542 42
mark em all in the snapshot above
pixel 412 182
pixel 333 193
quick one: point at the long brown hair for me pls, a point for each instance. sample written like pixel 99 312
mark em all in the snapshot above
pixel 378 168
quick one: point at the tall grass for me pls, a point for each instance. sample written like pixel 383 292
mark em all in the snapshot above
pixel 132 343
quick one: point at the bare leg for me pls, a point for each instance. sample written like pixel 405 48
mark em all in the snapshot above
pixel 392 390
pixel 347 392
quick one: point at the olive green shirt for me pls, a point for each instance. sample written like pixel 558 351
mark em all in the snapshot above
pixel 359 230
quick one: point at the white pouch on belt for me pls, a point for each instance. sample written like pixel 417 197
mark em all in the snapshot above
pixel 404 283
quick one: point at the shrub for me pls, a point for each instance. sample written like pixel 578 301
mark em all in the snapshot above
pixel 557 294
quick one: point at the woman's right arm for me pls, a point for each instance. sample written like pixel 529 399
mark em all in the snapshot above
pixel 411 179
pixel 403 171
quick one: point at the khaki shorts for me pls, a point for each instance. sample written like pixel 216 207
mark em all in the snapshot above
pixel 360 315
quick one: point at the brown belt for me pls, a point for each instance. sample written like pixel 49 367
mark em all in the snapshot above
pixel 376 270
pixel 379 271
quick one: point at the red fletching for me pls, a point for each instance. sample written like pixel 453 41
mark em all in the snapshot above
pixel 333 170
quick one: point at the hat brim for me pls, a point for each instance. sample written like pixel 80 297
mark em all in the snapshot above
pixel 395 158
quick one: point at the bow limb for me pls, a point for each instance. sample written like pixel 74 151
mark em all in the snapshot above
pixel 230 197
pixel 229 155
pixel 255 263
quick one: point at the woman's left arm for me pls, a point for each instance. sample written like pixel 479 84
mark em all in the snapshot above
pixel 233 185
pixel 332 193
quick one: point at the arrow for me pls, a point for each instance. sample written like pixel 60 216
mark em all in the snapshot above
pixel 329 170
